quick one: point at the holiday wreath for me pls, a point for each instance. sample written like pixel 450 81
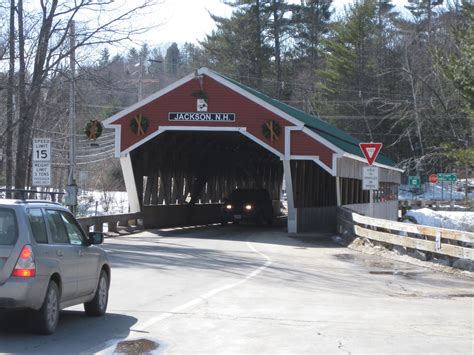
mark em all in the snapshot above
pixel 139 124
pixel 93 129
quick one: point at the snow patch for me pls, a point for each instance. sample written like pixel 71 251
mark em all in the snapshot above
pixel 463 221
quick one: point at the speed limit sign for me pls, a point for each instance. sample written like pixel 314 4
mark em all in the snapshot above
pixel 42 149
pixel 41 172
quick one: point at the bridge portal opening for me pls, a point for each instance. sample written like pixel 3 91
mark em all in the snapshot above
pixel 190 169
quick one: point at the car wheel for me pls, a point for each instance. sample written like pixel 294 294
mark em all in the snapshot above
pixel 98 305
pixel 46 318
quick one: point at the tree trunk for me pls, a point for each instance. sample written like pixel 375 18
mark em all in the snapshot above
pixel 258 37
pixel 276 35
pixel 28 106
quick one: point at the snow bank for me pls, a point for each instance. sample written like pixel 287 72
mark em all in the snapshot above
pixel 444 219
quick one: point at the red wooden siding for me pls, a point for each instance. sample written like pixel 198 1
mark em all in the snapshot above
pixel 303 144
pixel 221 99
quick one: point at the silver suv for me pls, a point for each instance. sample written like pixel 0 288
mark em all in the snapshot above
pixel 48 263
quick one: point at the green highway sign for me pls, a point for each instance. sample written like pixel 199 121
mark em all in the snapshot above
pixel 447 177
pixel 414 181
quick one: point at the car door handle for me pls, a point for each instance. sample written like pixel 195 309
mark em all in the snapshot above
pixel 59 252
pixel 81 253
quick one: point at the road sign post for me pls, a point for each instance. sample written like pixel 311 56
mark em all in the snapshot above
pixel 370 174
pixel 447 177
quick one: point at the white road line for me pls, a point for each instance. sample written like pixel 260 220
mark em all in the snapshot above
pixel 209 294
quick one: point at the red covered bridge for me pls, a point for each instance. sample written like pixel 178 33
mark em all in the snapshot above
pixel 186 147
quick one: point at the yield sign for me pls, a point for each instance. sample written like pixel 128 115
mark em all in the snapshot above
pixel 370 150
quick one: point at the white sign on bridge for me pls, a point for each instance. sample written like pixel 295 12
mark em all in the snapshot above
pixel 41 175
pixel 370 178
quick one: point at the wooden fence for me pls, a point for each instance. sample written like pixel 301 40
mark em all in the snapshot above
pixel 442 241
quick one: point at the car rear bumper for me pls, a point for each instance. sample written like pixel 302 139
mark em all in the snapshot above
pixel 23 293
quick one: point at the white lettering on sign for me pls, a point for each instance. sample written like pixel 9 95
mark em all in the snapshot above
pixel 370 178
pixel 197 116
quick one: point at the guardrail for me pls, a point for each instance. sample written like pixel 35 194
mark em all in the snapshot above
pixel 442 241
pixel 113 221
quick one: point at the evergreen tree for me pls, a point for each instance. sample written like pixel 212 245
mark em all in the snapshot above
pixel 233 51
pixel 172 60
pixel 311 19
pixel 355 91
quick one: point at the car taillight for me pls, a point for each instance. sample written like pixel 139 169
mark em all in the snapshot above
pixel 25 266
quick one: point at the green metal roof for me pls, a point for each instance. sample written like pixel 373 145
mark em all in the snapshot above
pixel 338 137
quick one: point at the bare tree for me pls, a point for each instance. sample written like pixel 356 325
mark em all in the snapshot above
pixel 46 44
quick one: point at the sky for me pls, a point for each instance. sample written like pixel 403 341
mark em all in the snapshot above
pixel 189 21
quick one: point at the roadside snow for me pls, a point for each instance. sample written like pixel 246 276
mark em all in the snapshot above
pixel 444 219
pixel 97 203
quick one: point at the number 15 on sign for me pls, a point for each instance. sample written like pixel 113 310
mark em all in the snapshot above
pixel 41 149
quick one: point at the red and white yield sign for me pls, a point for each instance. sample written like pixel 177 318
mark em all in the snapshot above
pixel 370 150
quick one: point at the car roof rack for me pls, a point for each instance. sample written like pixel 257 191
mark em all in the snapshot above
pixel 23 193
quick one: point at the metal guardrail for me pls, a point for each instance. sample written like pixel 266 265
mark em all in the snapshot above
pixel 113 221
pixel 442 241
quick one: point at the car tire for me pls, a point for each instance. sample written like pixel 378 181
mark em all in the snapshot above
pixel 98 305
pixel 46 318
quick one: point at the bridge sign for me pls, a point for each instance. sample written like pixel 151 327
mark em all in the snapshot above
pixel 447 177
pixel 370 178
pixel 414 181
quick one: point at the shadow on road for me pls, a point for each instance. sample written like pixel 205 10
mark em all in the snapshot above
pixel 76 333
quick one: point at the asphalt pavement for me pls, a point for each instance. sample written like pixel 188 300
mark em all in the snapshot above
pixel 249 290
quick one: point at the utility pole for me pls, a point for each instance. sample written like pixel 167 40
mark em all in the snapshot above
pixel 71 189
pixel 10 88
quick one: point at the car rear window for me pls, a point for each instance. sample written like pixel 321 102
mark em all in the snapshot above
pixel 8 227
pixel 38 227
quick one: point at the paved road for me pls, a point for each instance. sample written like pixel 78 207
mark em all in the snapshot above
pixel 247 290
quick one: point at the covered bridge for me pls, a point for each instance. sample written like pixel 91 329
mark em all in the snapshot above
pixel 186 147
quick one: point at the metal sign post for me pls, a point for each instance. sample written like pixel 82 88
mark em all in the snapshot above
pixel 447 177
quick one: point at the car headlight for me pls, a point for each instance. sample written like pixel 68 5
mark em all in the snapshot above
pixel 229 207
pixel 248 207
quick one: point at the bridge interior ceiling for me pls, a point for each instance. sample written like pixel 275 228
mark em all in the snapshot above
pixel 179 167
